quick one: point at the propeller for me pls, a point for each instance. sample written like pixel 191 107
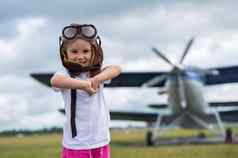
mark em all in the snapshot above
pixel 177 70
pixel 186 50
pixel 181 90
pixel 181 87
pixel 155 81
pixel 163 56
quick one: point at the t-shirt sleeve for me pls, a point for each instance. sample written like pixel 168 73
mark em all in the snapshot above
pixel 106 81
pixel 59 72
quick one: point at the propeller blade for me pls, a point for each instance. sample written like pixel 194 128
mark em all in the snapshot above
pixel 186 50
pixel 162 56
pixel 181 91
pixel 155 81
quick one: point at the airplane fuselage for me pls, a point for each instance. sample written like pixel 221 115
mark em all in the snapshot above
pixel 193 93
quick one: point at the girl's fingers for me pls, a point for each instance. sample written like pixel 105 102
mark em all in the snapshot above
pixel 95 83
pixel 92 91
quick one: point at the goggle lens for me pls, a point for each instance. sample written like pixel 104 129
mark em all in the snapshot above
pixel 70 32
pixel 88 31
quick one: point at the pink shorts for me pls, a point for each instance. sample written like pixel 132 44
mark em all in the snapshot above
pixel 101 152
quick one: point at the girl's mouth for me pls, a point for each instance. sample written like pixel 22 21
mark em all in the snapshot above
pixel 82 62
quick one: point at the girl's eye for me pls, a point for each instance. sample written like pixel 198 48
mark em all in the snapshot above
pixel 85 50
pixel 74 51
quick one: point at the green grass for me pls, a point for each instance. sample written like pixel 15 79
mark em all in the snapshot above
pixel 44 146
pixel 124 145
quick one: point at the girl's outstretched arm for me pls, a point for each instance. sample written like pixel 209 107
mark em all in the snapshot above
pixel 65 82
pixel 107 73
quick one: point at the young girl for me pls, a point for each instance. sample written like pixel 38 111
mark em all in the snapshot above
pixel 86 129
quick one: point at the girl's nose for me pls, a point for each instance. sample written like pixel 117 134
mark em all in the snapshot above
pixel 80 57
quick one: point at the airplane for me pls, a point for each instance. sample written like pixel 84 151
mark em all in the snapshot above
pixel 186 105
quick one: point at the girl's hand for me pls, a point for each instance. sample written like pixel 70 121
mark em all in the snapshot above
pixel 95 82
pixel 88 88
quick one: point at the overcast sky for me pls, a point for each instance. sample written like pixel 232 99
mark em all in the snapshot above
pixel 128 29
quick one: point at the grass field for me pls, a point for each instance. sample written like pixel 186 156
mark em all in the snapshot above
pixel 124 145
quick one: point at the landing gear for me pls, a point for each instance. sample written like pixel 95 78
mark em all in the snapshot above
pixel 150 138
pixel 228 136
pixel 152 134
pixel 201 135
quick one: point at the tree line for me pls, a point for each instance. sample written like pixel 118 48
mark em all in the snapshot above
pixel 25 132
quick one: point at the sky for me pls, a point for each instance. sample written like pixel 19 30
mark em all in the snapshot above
pixel 128 29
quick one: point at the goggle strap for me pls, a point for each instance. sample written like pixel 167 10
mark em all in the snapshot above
pixel 60 41
pixel 98 41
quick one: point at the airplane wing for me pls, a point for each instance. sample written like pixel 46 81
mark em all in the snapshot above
pixel 126 79
pixel 130 115
pixel 223 104
pixel 43 78
pixel 134 116
pixel 223 75
pixel 135 79
pixel 228 110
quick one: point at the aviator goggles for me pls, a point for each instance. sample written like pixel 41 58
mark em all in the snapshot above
pixel 87 31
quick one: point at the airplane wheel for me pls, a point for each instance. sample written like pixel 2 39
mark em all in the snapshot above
pixel 150 139
pixel 228 135
pixel 201 135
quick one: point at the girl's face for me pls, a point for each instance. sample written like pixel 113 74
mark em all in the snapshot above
pixel 79 51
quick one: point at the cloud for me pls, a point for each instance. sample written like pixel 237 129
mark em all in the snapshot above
pixel 68 10
pixel 22 99
pixel 26 48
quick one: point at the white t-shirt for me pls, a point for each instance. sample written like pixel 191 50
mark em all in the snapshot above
pixel 92 118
